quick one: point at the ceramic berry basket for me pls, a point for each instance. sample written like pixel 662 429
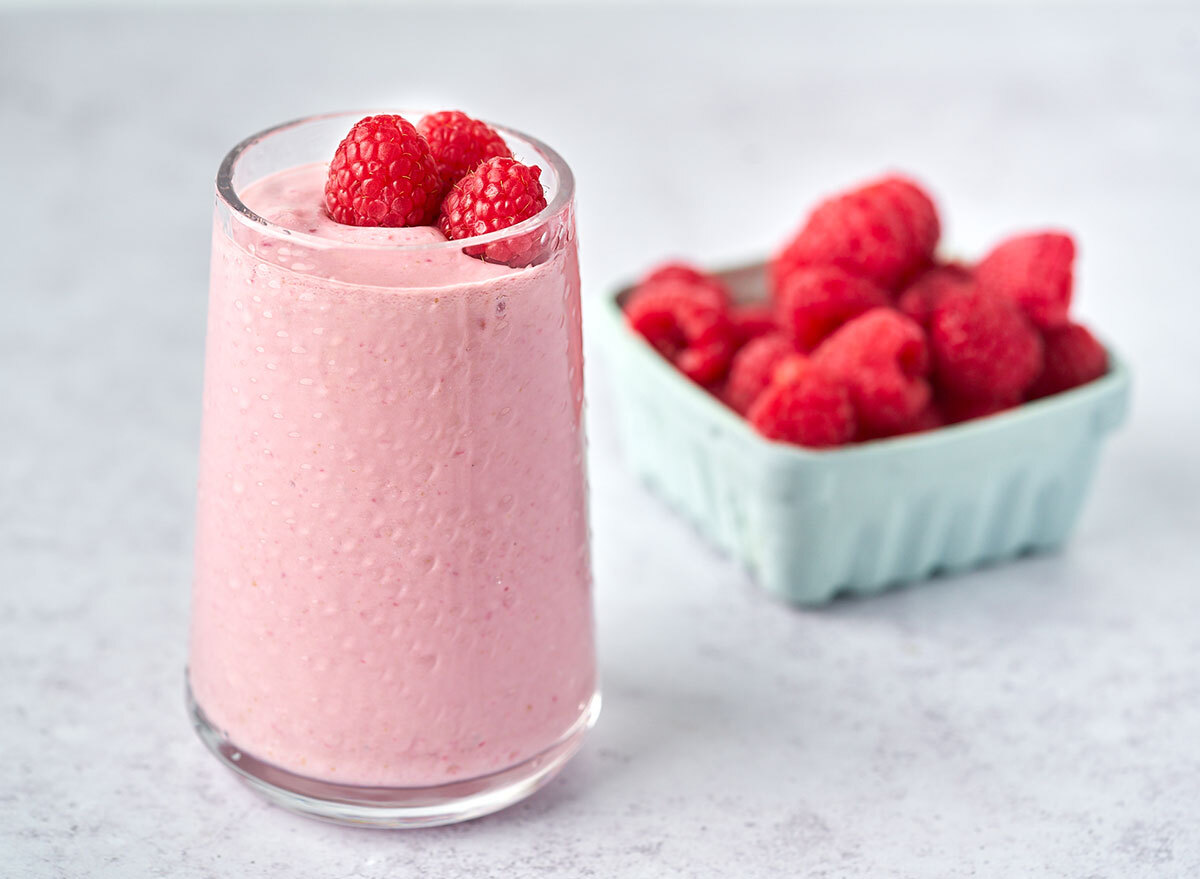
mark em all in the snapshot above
pixel 858 519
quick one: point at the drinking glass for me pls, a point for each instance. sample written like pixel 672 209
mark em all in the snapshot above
pixel 391 607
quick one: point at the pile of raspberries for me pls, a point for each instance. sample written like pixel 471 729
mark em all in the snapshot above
pixel 867 333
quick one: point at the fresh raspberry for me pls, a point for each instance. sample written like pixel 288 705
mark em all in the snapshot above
pixel 814 301
pixel 681 271
pixel 956 409
pixel 846 233
pixel 804 405
pixel 885 232
pixel 383 174
pixel 1035 272
pixel 688 324
pixel 930 418
pixel 792 367
pixel 678 271
pixel 883 360
pixel 675 271
pixel 500 193
pixel 752 321
pixel 983 346
pixel 1073 358
pixel 753 368
pixel 917 209
pixel 749 321
pixel 922 296
pixel 459 143
pixel 689 282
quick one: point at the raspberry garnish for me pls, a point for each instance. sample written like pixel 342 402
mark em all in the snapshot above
pixel 1073 358
pixel 804 405
pixel 1035 272
pixel 983 346
pixel 813 301
pixel 383 174
pixel 498 194
pixel 459 143
pixel 885 232
pixel 689 325
pixel 753 368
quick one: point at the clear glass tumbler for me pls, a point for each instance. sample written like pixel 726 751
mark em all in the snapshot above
pixel 391 611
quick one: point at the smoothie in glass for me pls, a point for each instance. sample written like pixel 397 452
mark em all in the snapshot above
pixel 391 609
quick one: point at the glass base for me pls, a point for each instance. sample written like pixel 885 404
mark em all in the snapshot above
pixel 388 807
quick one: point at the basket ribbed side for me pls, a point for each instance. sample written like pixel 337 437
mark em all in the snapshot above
pixel 918 531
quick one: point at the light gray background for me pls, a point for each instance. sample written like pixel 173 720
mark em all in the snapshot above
pixel 1037 719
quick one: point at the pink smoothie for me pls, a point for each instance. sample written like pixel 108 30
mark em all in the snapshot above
pixel 392 582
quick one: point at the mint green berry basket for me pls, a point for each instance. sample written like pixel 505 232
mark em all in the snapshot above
pixel 812 524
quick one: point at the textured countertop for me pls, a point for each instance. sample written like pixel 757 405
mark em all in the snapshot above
pixel 1035 719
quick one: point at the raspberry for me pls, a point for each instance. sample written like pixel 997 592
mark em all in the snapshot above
pixel 917 209
pixel 753 368
pixel 814 301
pixel 1073 358
pixel 983 347
pixel 459 143
pixel 383 174
pixel 687 323
pixel 957 410
pixel 884 232
pixel 752 321
pixel 1035 272
pixel 804 405
pixel 500 193
pixel 690 275
pixel 681 271
pixel 930 418
pixel 691 282
pixel 922 296
pixel 883 360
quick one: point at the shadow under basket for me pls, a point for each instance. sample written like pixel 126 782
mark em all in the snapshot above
pixel 812 524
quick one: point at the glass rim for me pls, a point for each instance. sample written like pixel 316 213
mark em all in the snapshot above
pixel 226 193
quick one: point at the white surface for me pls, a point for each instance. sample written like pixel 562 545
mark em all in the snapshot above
pixel 1039 719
